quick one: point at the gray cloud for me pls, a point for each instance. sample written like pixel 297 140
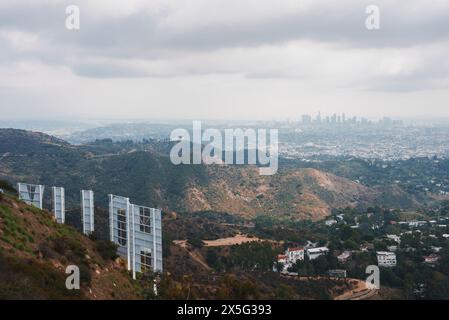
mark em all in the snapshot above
pixel 144 34
pixel 321 46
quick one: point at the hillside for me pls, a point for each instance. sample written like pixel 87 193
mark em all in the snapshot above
pixel 35 250
pixel 298 194
pixel 144 173
pixel 30 142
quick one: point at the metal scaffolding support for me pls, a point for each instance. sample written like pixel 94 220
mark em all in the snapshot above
pixel 32 194
pixel 146 240
pixel 59 204
pixel 87 211
pixel 137 231
pixel 119 213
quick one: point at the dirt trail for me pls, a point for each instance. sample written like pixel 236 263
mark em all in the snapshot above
pixel 195 255
pixel 360 292
pixel 237 239
pixel 230 241
pixel 181 243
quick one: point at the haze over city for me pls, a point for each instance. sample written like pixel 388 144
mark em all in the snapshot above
pixel 248 60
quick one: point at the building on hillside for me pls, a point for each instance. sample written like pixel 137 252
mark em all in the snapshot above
pixel 435 249
pixel 417 224
pixel 282 258
pixel 431 259
pixel 330 222
pixel 392 248
pixel 337 273
pixel 294 254
pixel 310 244
pixel 2 191
pixel 314 253
pixel 394 237
pixel 344 257
pixel 366 247
pixel 289 258
pixel 386 259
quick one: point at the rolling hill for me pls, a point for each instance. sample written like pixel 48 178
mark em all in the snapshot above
pixel 144 172
pixel 35 251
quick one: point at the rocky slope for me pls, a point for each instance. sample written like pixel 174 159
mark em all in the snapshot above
pixel 299 194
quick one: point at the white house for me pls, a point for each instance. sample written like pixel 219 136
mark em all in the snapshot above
pixel 392 248
pixel 417 224
pixel 431 259
pixel 435 249
pixel 344 257
pixel 386 259
pixel 330 222
pixel 394 237
pixel 294 254
pixel 310 244
pixel 290 257
pixel 282 258
pixel 314 253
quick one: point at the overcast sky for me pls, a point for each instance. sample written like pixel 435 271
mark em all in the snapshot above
pixel 223 59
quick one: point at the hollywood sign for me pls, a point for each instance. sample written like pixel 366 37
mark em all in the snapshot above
pixel 137 230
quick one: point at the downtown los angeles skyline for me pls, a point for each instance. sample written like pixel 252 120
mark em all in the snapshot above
pixel 253 60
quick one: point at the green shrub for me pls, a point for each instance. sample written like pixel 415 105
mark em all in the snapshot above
pixel 29 279
pixel 107 249
pixel 71 248
pixel 195 242
pixel 85 275
pixel 46 251
pixel 5 185
pixel 13 231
